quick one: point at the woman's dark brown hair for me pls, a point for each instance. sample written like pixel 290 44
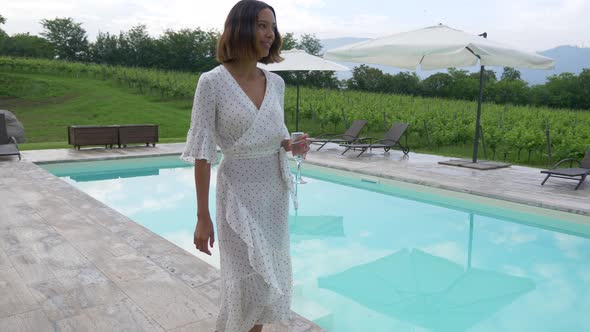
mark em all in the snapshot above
pixel 238 40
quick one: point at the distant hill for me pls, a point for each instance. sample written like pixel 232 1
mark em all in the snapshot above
pixel 567 59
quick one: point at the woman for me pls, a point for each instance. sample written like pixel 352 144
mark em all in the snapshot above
pixel 239 107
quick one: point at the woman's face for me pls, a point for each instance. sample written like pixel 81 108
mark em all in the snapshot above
pixel 265 32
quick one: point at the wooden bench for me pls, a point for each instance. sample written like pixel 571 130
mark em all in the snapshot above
pixel 141 133
pixel 109 135
pixel 93 135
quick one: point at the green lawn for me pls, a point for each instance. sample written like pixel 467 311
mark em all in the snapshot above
pixel 46 105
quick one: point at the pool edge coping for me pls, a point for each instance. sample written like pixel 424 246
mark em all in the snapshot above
pixel 462 190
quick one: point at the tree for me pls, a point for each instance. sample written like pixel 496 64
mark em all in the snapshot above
pixel 141 47
pixel 564 90
pixel 310 44
pixel 106 50
pixel 405 83
pixel 189 50
pixel 25 45
pixel 463 85
pixel 206 49
pixel 584 86
pixel 366 78
pixel 539 95
pixel 437 85
pixel 510 91
pixel 68 38
pixel 510 74
pixel 2 33
pixel 489 76
pixel 289 42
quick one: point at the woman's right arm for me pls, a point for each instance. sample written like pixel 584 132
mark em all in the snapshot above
pixel 204 235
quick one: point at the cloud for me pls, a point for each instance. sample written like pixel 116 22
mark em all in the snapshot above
pixel 554 285
pixel 515 270
pixel 511 235
pixel 542 25
pixel 529 24
pixel 104 191
pixel 314 258
pixel 573 246
pixel 309 3
pixel 167 192
pixel 449 250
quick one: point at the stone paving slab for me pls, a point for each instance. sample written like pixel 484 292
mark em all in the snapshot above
pixel 16 297
pixel 69 262
pixel 28 321
pixel 479 165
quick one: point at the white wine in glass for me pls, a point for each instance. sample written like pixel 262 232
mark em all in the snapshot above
pixel 298 149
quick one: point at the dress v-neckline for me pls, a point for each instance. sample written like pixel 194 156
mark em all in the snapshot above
pixel 244 94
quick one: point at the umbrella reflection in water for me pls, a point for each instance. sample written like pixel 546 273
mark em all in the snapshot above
pixel 428 291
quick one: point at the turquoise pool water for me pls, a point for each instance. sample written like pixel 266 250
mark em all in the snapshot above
pixel 376 255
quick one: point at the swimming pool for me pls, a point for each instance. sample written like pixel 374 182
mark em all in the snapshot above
pixel 377 255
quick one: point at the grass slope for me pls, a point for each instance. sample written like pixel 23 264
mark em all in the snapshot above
pixel 46 105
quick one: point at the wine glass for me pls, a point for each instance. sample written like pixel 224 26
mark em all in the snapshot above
pixel 298 149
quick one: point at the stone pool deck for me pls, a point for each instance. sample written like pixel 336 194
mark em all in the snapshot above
pixel 70 263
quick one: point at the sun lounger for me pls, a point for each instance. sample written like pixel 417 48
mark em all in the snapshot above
pixel 348 137
pixel 8 144
pixel 391 140
pixel 571 173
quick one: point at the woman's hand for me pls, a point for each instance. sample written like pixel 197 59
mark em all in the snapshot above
pixel 204 235
pixel 286 144
pixel 300 145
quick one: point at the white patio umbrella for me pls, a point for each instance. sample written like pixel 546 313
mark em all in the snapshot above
pixel 440 47
pixel 299 60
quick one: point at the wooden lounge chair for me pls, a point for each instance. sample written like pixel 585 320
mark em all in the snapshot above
pixel 8 145
pixel 348 137
pixel 391 140
pixel 572 173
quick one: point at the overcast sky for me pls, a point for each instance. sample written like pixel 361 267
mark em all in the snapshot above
pixel 533 24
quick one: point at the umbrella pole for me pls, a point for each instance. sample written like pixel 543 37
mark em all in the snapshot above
pixel 470 241
pixel 297 109
pixel 478 116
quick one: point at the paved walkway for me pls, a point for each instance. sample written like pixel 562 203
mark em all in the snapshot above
pixel 70 263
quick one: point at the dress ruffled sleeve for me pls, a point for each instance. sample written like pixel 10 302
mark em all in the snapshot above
pixel 200 139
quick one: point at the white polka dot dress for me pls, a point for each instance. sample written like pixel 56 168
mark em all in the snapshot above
pixel 253 185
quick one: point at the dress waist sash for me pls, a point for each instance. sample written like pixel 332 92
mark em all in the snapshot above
pixel 283 165
pixel 250 154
